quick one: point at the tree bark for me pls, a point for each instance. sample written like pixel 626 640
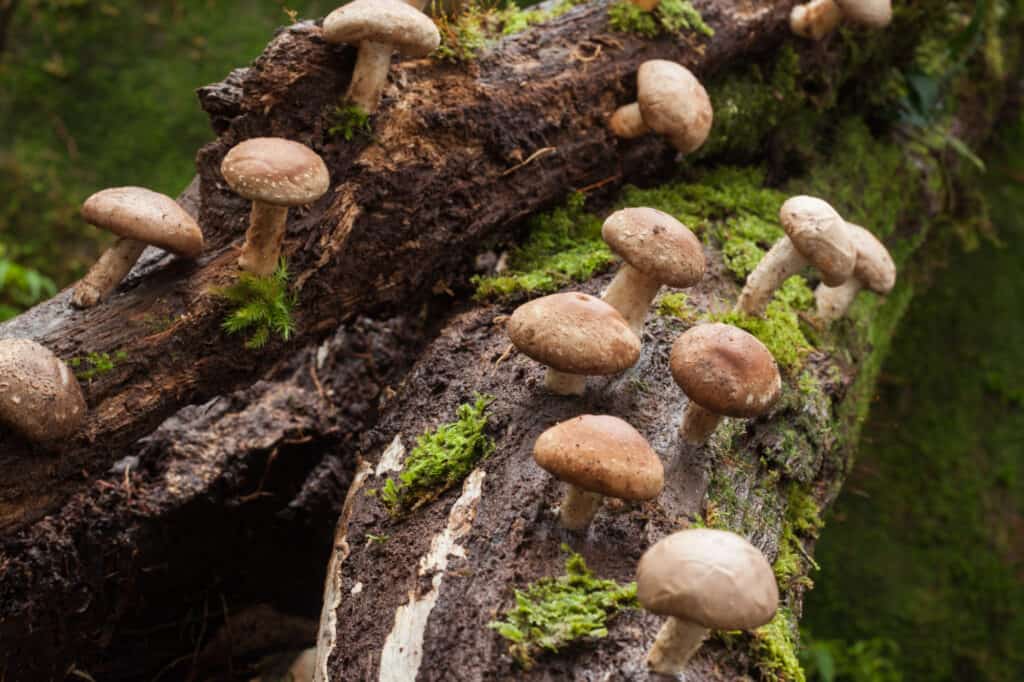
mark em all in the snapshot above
pixel 407 211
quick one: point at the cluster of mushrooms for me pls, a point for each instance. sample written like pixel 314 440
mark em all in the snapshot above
pixel 699 578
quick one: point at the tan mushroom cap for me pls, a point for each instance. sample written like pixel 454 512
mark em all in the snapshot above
pixel 869 13
pixel 674 103
pixel 820 235
pixel 601 454
pixel 574 333
pixel 144 215
pixel 710 577
pixel 275 171
pixel 390 22
pixel 874 269
pixel 725 370
pixel 656 244
pixel 39 396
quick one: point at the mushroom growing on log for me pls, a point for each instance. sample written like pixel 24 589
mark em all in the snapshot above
pixel 874 271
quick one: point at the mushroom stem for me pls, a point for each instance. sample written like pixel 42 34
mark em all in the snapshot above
pixel 370 75
pixel 677 642
pixel 579 507
pixel 263 238
pixel 562 383
pixel 779 264
pixel 833 302
pixel 627 122
pixel 631 293
pixel 112 267
pixel 815 19
pixel 698 424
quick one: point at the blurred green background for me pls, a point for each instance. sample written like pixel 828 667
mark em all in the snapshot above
pixel 923 557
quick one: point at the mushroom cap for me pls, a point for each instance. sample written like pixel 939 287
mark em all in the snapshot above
pixel 146 216
pixel 725 370
pixel 574 333
pixel 39 396
pixel 601 454
pixel 874 269
pixel 656 244
pixel 820 235
pixel 391 22
pixel 870 13
pixel 713 578
pixel 275 171
pixel 674 103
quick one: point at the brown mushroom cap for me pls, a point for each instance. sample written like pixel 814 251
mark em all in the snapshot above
pixel 870 13
pixel 574 333
pixel 874 269
pixel 144 215
pixel 601 454
pixel 390 22
pixel 820 235
pixel 674 103
pixel 275 171
pixel 656 244
pixel 710 577
pixel 725 370
pixel 39 396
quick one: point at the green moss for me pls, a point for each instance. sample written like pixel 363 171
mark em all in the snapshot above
pixel 779 329
pixel 476 26
pixel 441 459
pixel 670 16
pixel 92 365
pixel 262 307
pixel 775 649
pixel 675 305
pixel 349 121
pixel 554 613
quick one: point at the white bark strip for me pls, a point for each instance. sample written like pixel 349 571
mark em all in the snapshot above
pixel 402 653
pixel 326 638
pixel 391 459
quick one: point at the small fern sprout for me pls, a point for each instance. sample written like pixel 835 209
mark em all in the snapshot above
pixel 263 307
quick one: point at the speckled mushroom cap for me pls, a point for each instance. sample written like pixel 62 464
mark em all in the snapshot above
pixel 574 333
pixel 146 216
pixel 874 269
pixel 275 171
pixel 39 396
pixel 725 370
pixel 713 578
pixel 870 13
pixel 390 22
pixel 674 103
pixel 603 455
pixel 820 235
pixel 656 244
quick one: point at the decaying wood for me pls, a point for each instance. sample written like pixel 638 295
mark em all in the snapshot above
pixel 405 211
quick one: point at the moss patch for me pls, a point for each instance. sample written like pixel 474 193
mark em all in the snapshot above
pixel 675 304
pixel 349 121
pixel 263 307
pixel 92 365
pixel 441 459
pixel 775 647
pixel 554 613
pixel 465 35
pixel 670 17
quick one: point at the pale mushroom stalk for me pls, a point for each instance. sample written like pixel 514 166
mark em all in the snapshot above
pixel 263 238
pixel 833 302
pixel 628 123
pixel 631 293
pixel 780 263
pixel 698 424
pixel 107 272
pixel 563 383
pixel 370 76
pixel 815 19
pixel 677 642
pixel 579 507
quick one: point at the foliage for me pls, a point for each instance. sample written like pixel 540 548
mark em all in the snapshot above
pixel 774 649
pixel 478 25
pixel 670 16
pixel 674 304
pixel 441 459
pixel 263 307
pixel 553 613
pixel 832 660
pixel 21 287
pixel 94 364
pixel 779 329
pixel 349 121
